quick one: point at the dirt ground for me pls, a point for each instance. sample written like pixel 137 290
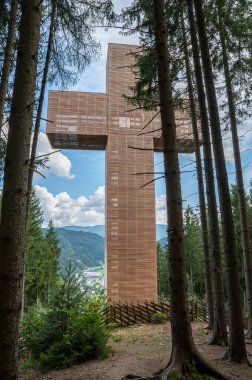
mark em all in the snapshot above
pixel 142 350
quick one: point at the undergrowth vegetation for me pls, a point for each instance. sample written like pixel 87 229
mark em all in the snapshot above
pixel 159 317
pixel 67 332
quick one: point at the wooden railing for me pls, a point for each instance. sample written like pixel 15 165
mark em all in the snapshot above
pixel 129 314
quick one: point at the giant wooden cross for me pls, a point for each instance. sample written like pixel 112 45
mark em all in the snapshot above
pixel 84 120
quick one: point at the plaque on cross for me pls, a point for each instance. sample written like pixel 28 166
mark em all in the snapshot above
pixel 85 120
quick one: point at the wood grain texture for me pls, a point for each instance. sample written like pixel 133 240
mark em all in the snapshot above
pixel 82 120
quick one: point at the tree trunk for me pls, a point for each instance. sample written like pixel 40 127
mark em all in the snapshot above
pixel 219 329
pixel 2 14
pixel 41 98
pixel 185 358
pixel 8 55
pixel 202 203
pixel 236 350
pixel 247 259
pixel 38 118
pixel 14 200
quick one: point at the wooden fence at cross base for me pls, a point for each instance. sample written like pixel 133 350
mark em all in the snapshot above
pixel 129 314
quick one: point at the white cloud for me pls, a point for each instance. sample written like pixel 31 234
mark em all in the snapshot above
pixel 161 213
pixel 58 163
pixel 83 211
pixel 64 210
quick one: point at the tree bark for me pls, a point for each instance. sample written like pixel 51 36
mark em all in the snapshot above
pixel 247 259
pixel 185 358
pixel 14 200
pixel 219 329
pixel 8 55
pixel 2 14
pixel 202 203
pixel 38 118
pixel 41 98
pixel 236 349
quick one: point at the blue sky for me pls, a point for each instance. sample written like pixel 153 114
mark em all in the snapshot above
pixel 73 190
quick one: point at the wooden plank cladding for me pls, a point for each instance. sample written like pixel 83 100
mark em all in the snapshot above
pixel 84 120
pixel 77 120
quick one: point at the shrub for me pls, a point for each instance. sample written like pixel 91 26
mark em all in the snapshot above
pixel 32 322
pixel 67 333
pixel 85 338
pixel 159 317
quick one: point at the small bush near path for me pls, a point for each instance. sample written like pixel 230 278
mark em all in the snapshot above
pixel 159 317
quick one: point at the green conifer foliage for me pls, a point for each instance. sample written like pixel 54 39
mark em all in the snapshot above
pixel 193 254
pixel 162 271
pixel 41 257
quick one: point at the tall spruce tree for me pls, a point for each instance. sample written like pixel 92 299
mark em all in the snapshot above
pixel 41 258
pixel 201 191
pixel 219 328
pixel 185 359
pixel 247 258
pixel 183 350
pixel 53 243
pixel 14 200
pixel 236 348
pixel 145 95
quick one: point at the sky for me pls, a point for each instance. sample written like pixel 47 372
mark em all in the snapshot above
pixel 73 192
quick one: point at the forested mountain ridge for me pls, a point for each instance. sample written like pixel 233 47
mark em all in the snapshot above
pixel 85 249
pixel 163 241
pixel 161 229
pixel 98 229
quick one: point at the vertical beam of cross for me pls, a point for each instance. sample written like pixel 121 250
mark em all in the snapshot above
pixel 130 208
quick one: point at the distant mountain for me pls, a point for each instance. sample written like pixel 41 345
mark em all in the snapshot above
pixel 98 229
pixel 162 242
pixel 161 230
pixel 85 249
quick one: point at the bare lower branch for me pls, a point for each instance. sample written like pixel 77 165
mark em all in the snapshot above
pixel 148 173
pixel 42 118
pixel 134 147
pixel 36 171
pixel 146 133
pixel 142 108
pixel 45 155
pixel 151 120
pixel 153 180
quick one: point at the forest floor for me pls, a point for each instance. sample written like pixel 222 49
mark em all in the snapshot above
pixel 143 349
